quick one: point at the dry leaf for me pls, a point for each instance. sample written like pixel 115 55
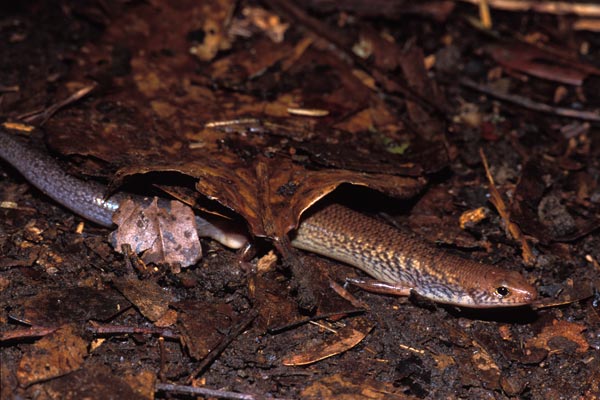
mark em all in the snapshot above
pixel 162 236
pixel 345 339
pixel 55 355
pixel 77 304
pixel 542 64
pixel 568 330
pixel 271 194
pixel 99 382
pixel 147 296
pixel 350 388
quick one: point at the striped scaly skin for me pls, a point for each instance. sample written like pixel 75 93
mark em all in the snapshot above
pixel 401 259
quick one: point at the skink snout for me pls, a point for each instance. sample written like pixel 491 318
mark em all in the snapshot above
pixel 529 295
pixel 519 291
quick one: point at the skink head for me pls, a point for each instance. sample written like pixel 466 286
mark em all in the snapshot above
pixel 501 288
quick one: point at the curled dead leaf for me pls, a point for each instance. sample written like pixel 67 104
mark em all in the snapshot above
pixel 161 235
pixel 344 339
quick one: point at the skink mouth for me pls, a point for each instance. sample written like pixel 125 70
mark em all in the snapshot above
pixel 528 296
pixel 524 299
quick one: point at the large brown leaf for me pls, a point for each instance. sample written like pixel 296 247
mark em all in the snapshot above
pixel 272 193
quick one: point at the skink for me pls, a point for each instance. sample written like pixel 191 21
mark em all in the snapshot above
pixel 399 261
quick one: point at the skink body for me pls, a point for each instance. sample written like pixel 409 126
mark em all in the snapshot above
pixel 407 263
pixel 394 257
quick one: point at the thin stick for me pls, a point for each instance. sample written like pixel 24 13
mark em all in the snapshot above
pixel 100 329
pixel 511 227
pixel 27 333
pixel 548 7
pixel 532 105
pixel 198 391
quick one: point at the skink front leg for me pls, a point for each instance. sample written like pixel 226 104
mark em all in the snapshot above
pixel 375 286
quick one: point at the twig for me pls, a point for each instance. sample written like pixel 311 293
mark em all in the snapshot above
pixel 163 359
pixel 293 324
pixel 33 332
pixel 498 202
pixel 484 14
pixel 100 329
pixel 40 118
pixel 13 88
pixel 532 105
pixel 197 391
pixel 548 7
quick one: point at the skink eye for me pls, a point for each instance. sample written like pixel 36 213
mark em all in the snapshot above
pixel 502 291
